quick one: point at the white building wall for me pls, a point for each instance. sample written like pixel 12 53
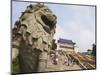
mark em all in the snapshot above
pixel 68 45
pixel 76 49
pixel 65 49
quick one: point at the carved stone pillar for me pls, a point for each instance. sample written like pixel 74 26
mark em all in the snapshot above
pixel 42 61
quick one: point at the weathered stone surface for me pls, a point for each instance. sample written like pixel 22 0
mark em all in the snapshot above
pixel 34 30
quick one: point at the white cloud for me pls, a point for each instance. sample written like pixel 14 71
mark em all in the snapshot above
pixel 78 31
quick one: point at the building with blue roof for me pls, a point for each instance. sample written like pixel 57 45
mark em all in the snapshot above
pixel 65 45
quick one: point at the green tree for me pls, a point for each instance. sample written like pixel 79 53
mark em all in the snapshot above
pixel 94 50
pixel 54 45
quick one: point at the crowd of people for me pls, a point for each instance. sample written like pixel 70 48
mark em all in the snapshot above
pixel 59 56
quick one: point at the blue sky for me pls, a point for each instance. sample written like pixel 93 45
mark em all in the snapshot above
pixel 74 22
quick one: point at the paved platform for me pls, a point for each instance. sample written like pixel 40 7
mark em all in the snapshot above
pixel 60 66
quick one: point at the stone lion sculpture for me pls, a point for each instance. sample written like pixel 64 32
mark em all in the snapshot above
pixel 32 37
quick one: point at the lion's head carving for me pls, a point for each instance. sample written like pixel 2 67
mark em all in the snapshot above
pixel 43 15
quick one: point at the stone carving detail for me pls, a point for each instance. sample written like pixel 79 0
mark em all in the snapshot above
pixel 32 37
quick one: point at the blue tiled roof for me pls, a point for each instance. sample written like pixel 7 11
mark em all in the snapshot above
pixel 65 41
